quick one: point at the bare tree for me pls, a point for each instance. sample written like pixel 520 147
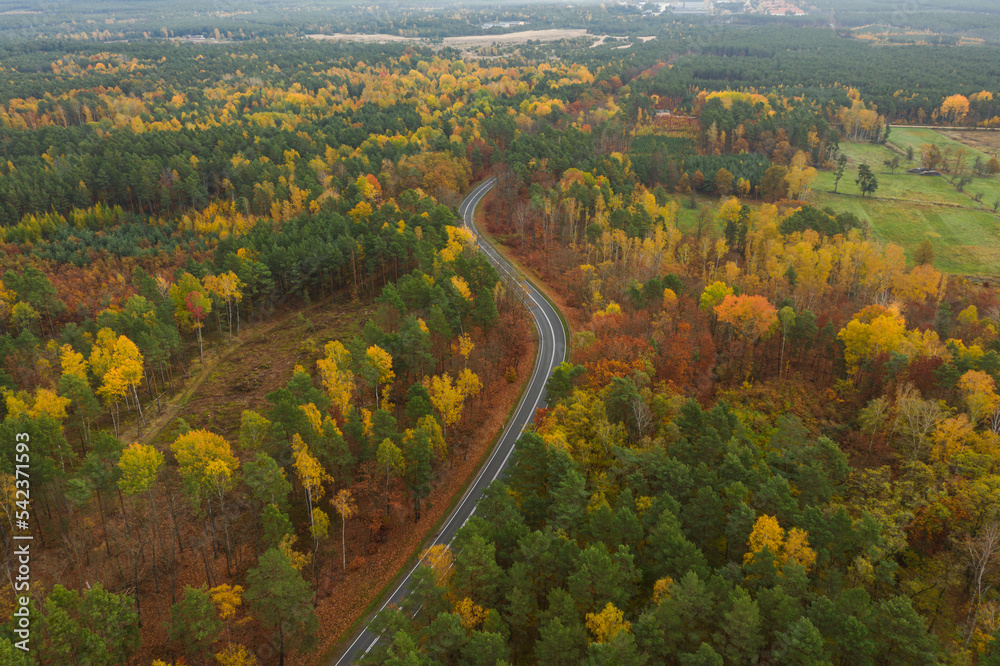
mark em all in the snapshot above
pixel 521 210
pixel 916 419
pixel 642 415
pixel 981 551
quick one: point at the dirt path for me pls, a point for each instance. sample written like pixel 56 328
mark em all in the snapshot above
pixel 155 426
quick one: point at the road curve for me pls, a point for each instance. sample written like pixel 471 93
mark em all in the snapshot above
pixel 551 352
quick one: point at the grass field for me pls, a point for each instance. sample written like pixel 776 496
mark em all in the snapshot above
pixel 687 218
pixel 966 241
pixel 907 209
pixel 903 137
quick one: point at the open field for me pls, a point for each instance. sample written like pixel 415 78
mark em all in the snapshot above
pixel 902 137
pixel 906 209
pixel 982 144
pixel 965 241
pixel 901 185
pixel 984 141
pixel 989 187
pixel 473 41
pixel 377 38
pixel 521 37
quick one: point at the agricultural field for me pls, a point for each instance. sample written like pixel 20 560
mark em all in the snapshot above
pixel 985 141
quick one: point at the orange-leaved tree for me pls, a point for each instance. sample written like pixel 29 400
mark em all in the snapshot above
pixel 750 318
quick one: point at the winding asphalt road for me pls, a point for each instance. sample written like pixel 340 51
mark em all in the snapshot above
pixel 551 352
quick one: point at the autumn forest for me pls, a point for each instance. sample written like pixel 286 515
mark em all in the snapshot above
pixel 260 356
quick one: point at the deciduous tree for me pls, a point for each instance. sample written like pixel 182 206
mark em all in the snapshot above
pixel 345 506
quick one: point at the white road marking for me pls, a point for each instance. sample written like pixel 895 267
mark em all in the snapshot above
pixel 469 205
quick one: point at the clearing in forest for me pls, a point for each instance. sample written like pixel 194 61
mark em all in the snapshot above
pixel 477 41
pixel 264 362
pixel 908 208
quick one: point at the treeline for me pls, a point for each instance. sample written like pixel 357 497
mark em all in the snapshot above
pixel 906 81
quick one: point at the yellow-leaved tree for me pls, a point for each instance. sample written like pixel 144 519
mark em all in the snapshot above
pixel 345 506
pixel 235 655
pixel 799 176
pixel 877 330
pixel 465 345
pixel 462 287
pixel 312 476
pixel 469 613
pixel 226 598
pixel 207 466
pixel 309 472
pixel 448 396
pixel 767 533
pixel 140 466
pixel 606 624
pixel 45 403
pixel 129 363
pixel 979 390
pixel 229 289
pixel 254 430
pixel 439 558
pixel 119 365
pixel 73 363
pixel 661 589
pixel 377 371
pixel 335 372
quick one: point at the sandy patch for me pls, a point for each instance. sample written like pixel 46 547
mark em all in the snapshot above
pixel 471 41
pixel 518 37
pixel 373 39
pixel 603 38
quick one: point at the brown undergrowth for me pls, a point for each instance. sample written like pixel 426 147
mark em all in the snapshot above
pixel 238 376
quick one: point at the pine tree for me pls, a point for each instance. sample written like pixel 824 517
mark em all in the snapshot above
pixel 866 180
pixel 194 623
pixel 282 601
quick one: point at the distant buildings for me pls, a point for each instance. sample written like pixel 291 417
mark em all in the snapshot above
pixel 673 6
pixel 705 7
pixel 779 8
pixel 689 7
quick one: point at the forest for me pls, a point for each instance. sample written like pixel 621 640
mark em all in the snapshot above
pixel 257 353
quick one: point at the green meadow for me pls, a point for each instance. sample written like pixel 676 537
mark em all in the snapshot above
pixel 906 208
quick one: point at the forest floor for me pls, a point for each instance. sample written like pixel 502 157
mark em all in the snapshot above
pixel 237 376
pixel 550 274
